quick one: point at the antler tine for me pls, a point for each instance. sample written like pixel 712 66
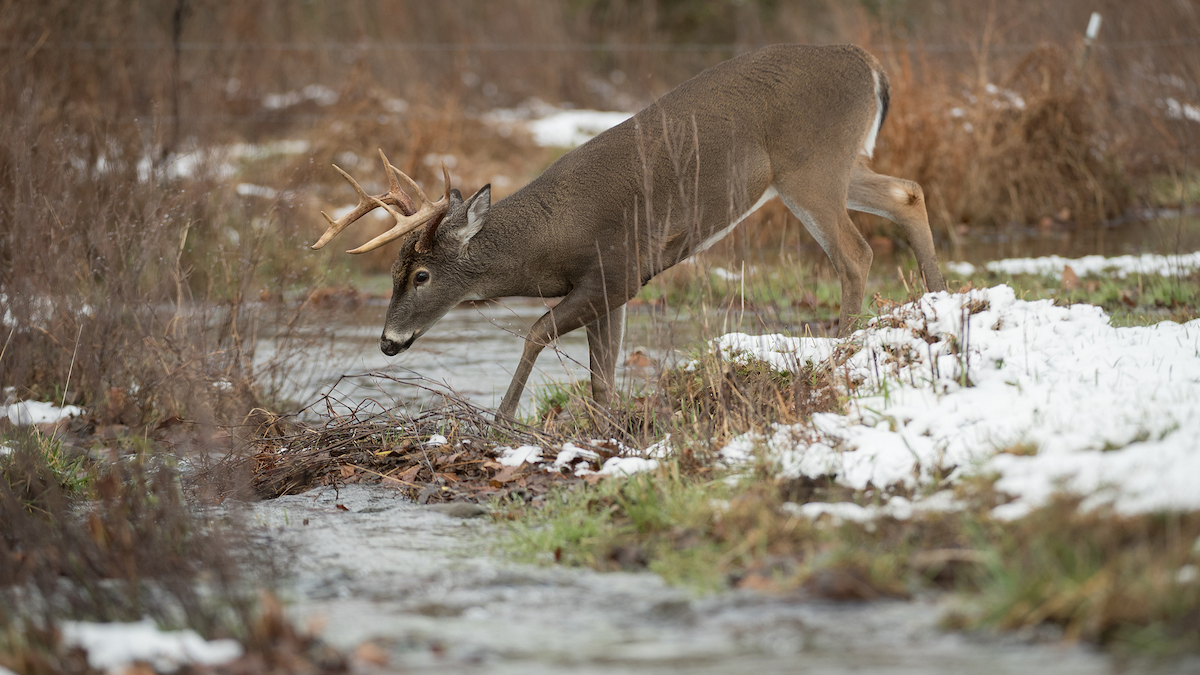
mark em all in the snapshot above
pixel 405 223
pixel 394 189
pixel 395 196
pixel 365 206
pixel 430 234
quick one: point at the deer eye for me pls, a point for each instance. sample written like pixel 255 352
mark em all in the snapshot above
pixel 420 277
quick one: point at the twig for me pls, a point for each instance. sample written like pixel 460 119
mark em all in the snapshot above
pixel 70 369
pixel 5 349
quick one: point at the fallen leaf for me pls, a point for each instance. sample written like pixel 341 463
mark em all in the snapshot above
pixel 809 300
pixel 348 470
pixel 369 652
pixel 409 474
pixel 508 474
pixel 1070 280
pixel 341 507
pixel 639 359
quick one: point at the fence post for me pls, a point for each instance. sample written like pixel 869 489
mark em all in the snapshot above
pixel 1089 37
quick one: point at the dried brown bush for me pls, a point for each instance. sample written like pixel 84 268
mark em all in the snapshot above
pixel 1028 148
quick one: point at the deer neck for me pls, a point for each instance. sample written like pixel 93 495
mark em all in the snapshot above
pixel 518 251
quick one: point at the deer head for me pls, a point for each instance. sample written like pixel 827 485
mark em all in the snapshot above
pixel 434 271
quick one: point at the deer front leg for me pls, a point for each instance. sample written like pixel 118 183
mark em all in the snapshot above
pixel 576 309
pixel 851 258
pixel 605 335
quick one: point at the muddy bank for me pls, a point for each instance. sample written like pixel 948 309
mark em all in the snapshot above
pixel 433 594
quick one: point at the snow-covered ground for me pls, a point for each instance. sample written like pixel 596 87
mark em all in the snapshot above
pixel 552 126
pixel 1119 266
pixel 1046 398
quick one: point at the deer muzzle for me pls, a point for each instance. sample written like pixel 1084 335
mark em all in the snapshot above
pixel 392 347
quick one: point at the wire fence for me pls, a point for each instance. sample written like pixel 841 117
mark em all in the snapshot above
pixel 16 51
pixel 434 47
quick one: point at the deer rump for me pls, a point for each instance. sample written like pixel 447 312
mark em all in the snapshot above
pixel 795 121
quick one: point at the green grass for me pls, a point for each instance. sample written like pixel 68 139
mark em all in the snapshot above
pixel 647 521
pixel 1098 577
pixel 1137 300
pixel 71 470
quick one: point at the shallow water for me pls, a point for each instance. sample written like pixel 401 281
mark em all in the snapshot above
pixel 472 351
pixel 1127 237
pixel 426 588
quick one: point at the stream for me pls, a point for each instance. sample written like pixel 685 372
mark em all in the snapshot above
pixel 431 592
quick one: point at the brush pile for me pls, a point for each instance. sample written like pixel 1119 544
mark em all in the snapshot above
pixel 454 453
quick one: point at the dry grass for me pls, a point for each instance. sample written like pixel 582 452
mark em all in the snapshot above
pixel 1024 148
pixel 132 549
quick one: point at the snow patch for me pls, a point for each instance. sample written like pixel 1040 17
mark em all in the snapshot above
pixel 964 269
pixel 627 466
pixel 896 507
pixel 1048 398
pixel 113 647
pixel 526 454
pixel 780 352
pixel 316 93
pixel 24 413
pixel 570 128
pixel 252 190
pixel 1118 266
pixel 1182 111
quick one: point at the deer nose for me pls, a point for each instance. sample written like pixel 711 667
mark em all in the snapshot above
pixel 389 347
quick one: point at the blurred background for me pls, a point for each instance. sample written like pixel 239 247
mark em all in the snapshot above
pixel 163 164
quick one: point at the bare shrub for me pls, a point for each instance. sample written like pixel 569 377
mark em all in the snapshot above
pixel 1028 148
pixel 122 292
pixel 134 550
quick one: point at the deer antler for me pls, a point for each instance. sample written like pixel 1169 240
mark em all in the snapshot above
pixel 426 212
pixel 409 217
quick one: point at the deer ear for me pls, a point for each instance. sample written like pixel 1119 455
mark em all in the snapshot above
pixel 477 209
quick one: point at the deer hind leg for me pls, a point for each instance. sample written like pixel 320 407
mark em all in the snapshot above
pixel 605 335
pixel 902 202
pixel 827 221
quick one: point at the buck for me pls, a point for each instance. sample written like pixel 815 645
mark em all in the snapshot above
pixel 795 121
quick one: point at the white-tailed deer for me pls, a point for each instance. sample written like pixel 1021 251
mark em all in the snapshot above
pixel 794 121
